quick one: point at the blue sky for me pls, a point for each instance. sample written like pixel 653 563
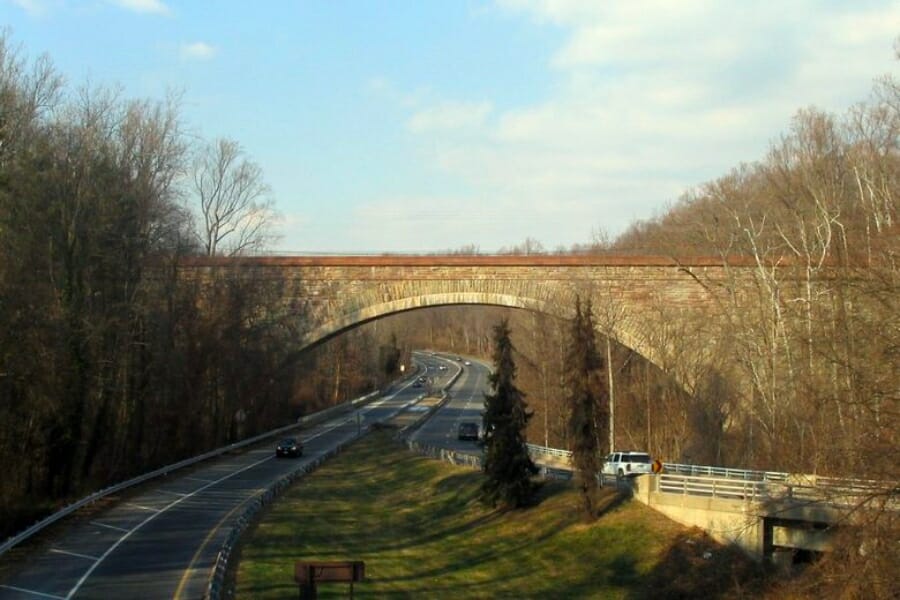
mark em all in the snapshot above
pixel 421 126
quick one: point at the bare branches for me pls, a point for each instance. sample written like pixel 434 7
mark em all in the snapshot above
pixel 236 210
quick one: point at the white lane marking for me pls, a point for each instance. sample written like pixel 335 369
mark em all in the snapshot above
pixel 156 510
pixel 109 550
pixel 76 554
pixel 172 493
pixel 32 592
pixel 156 513
pixel 198 479
pixel 363 412
pixel 108 526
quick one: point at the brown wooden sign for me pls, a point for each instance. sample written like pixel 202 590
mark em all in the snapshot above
pixel 327 572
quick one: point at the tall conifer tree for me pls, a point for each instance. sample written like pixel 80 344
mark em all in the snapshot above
pixel 507 466
pixel 588 403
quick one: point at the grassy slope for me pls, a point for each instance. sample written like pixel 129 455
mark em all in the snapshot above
pixel 419 528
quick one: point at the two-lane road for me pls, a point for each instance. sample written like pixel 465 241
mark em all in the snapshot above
pixel 466 403
pixel 163 541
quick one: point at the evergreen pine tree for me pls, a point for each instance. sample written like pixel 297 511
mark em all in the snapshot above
pixel 588 403
pixel 508 468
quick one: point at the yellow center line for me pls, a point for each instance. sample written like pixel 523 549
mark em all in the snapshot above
pixel 189 571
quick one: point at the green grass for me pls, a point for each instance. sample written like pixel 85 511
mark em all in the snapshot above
pixel 422 533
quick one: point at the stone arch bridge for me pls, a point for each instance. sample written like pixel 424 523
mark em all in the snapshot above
pixel 640 301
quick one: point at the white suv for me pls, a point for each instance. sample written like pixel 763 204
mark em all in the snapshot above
pixel 627 464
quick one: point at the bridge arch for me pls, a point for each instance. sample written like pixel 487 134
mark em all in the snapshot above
pixel 371 312
pixel 649 301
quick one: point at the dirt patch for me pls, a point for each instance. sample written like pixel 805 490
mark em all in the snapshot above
pixel 696 566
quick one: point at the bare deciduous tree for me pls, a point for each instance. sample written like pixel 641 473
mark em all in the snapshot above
pixel 235 207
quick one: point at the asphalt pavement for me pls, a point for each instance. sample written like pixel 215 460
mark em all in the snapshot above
pixel 162 542
pixel 466 404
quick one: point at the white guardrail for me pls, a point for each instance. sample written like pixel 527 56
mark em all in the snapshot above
pixel 474 461
pixel 745 474
pixel 796 488
pixel 717 487
pixel 536 450
pixel 163 471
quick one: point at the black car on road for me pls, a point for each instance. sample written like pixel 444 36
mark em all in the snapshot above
pixel 289 447
pixel 468 431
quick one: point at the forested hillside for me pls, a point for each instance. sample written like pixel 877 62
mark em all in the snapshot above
pixel 819 344
pixel 802 371
pixel 110 363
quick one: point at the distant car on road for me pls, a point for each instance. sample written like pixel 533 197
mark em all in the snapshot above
pixel 468 431
pixel 627 464
pixel 289 447
pixel 467 363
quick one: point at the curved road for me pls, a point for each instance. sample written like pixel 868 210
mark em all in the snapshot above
pixel 466 404
pixel 162 542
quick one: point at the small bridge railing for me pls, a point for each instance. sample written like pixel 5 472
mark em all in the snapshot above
pixel 680 469
pixel 749 484
pixel 725 472
pixel 797 488
pixel 712 487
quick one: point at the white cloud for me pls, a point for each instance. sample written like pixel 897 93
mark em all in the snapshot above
pixel 651 98
pixel 154 7
pixel 198 51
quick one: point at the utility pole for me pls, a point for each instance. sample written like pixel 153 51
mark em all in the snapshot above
pixel 612 397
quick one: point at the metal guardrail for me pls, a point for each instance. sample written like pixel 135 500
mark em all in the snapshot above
pixel 795 488
pixel 474 461
pixel 217 574
pixel 714 487
pixel 450 456
pixel 725 472
pixel 219 570
pixel 163 471
pixel 682 469
pixel 534 449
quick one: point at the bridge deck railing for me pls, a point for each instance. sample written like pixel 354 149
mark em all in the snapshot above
pixel 681 469
pixel 725 482
pixel 713 487
pixel 745 474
